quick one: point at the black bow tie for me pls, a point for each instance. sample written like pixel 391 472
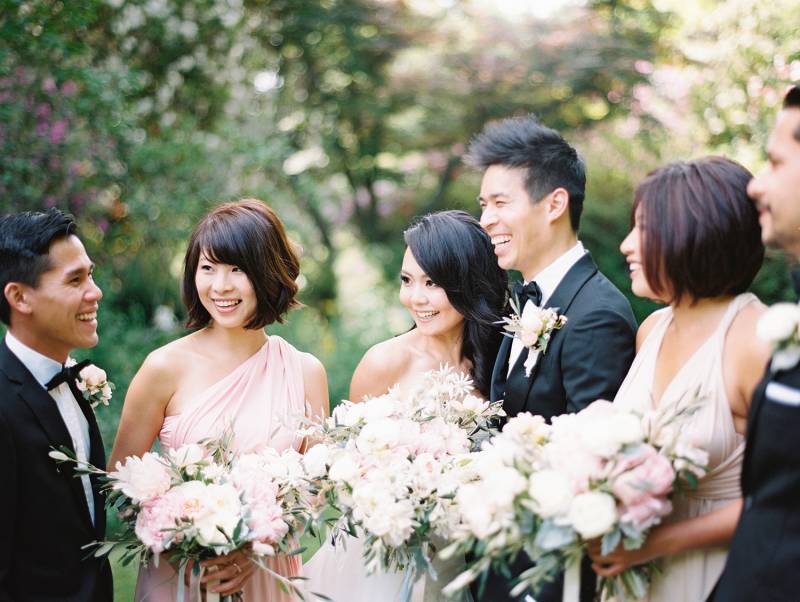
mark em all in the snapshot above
pixel 530 291
pixel 68 374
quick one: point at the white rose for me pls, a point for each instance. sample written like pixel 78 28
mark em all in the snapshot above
pixel 592 514
pixel 778 323
pixel 550 492
pixel 379 435
pixel 344 468
pixel 527 427
pixel 222 511
pixel 142 479
pixel 531 319
pixel 316 460
pixel 93 377
pixel 186 455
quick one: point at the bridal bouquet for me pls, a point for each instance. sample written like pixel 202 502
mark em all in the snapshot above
pixel 391 467
pixel 202 500
pixel 603 473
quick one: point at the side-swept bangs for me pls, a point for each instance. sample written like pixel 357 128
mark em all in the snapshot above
pixel 249 235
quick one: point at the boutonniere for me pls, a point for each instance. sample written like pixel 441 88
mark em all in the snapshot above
pixel 780 327
pixel 94 384
pixel 533 326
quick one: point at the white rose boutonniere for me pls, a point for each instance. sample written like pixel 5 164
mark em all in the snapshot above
pixel 533 326
pixel 780 327
pixel 94 384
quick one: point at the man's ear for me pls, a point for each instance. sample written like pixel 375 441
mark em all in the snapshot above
pixel 557 204
pixel 18 297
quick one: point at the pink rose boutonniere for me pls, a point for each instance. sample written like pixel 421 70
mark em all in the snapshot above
pixel 94 384
pixel 533 326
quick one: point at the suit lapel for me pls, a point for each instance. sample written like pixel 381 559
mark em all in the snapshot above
pixel 43 406
pixel 500 369
pixel 518 386
pixel 97 457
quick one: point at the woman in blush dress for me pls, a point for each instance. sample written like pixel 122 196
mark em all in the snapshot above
pixel 239 276
pixel 696 246
pixel 455 292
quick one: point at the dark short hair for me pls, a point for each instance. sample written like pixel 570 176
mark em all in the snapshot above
pixel 457 254
pixel 700 232
pixel 25 240
pixel 249 235
pixel 792 101
pixel 548 160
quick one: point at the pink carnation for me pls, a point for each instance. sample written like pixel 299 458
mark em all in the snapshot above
pixel 641 482
pixel 643 474
pixel 646 513
pixel 155 522
pixel 266 523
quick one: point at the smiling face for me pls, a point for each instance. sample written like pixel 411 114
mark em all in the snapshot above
pixel 776 190
pixel 425 300
pixel 225 292
pixel 632 249
pixel 516 224
pixel 61 312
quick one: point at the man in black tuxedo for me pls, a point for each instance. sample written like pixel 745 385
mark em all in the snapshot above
pixel 764 557
pixel 531 200
pixel 49 304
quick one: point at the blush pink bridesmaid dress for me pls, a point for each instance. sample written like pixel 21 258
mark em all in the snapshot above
pixel 263 398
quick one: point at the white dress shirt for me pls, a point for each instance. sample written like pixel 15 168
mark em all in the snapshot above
pixel 548 280
pixel 43 369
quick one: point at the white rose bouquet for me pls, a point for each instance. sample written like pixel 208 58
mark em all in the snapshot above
pixel 603 473
pixel 780 327
pixel 202 500
pixel 391 467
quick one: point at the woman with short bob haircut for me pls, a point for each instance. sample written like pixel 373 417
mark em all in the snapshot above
pixel 695 245
pixel 239 276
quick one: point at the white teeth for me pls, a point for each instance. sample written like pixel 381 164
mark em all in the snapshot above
pixel 87 317
pixel 632 267
pixel 230 303
pixel 499 240
pixel 426 314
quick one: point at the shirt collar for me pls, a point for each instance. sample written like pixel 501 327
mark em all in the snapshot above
pixel 550 277
pixel 42 367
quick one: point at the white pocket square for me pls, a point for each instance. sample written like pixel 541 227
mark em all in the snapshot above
pixel 782 394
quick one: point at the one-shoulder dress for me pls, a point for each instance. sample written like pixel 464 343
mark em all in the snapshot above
pixel 263 399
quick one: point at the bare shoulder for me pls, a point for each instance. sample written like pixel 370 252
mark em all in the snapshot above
pixel 164 368
pixel 646 327
pixel 381 367
pixel 312 367
pixel 742 340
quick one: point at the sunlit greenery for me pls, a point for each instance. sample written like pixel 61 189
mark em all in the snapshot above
pixel 350 117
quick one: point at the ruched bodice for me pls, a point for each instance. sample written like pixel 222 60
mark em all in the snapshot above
pixel 263 400
pixel 691 576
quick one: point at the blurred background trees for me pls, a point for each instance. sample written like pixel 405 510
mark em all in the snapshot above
pixel 350 117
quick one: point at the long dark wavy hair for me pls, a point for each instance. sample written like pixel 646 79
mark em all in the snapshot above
pixel 457 255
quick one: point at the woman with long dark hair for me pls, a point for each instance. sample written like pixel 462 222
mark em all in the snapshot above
pixel 455 292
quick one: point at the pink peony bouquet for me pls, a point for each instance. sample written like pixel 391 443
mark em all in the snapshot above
pixel 391 465
pixel 603 473
pixel 202 500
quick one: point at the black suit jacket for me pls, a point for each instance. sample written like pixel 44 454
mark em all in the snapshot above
pixel 764 558
pixel 586 360
pixel 44 518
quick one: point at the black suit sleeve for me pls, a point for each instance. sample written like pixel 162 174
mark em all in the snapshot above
pixel 8 503
pixel 597 353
